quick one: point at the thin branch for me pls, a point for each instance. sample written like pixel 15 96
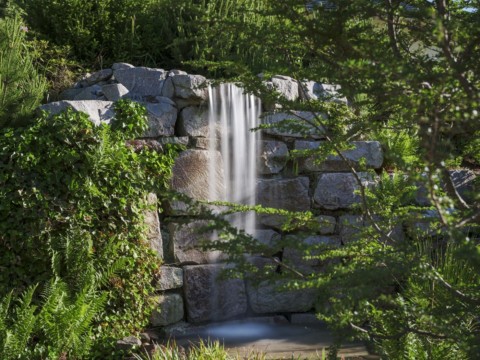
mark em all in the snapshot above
pixel 392 32
pixel 469 88
pixel 357 177
pixel 278 262
pixel 451 288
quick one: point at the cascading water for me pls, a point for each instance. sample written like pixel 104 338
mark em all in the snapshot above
pixel 232 115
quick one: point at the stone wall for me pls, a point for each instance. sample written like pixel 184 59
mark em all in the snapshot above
pixel 177 102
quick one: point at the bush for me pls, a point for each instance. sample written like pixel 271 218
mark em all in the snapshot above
pixel 21 87
pixel 68 187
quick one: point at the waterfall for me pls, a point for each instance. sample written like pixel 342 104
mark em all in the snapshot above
pixel 231 116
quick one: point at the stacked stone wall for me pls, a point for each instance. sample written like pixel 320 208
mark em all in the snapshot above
pixel 177 104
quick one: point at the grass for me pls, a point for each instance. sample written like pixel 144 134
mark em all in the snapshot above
pixel 205 351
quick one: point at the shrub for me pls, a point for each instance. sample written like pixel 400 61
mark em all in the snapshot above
pixel 21 87
pixel 66 183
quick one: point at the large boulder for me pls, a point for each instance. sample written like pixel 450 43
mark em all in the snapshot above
pixel 98 111
pixel 209 298
pixel 350 227
pixel 191 175
pixel 297 124
pixel 141 81
pixel 285 86
pixel 114 92
pixel 369 151
pixel 339 190
pixel 294 254
pixel 267 297
pixel 272 157
pixel 190 89
pixel 169 278
pixel 161 118
pixel 289 194
pixel 186 241
pixel 312 90
pixel 169 309
pixel 193 121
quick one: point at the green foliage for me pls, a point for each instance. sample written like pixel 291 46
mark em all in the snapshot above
pixel 21 87
pixel 408 279
pixel 72 202
pixel 201 351
pixel 60 326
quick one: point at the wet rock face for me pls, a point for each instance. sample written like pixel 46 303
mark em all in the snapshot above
pixel 191 175
pixel 290 194
pixel 209 298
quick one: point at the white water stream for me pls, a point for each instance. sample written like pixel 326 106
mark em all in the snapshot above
pixel 232 115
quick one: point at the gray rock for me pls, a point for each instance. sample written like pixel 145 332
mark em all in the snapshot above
pixel 274 221
pixel 98 76
pixel 191 176
pixel 174 72
pixel 182 140
pixel 193 121
pixel 169 278
pixel 267 298
pixel 128 343
pixel 200 143
pixel 312 90
pixel 152 221
pixel 114 92
pixel 285 85
pixel 161 119
pixel 186 241
pixel 327 224
pixel 121 66
pixel 168 90
pixel 210 299
pixel 141 81
pixel 272 157
pixel 294 254
pixel 302 127
pixel 370 151
pixel 351 227
pixel 269 238
pixel 169 309
pixel 190 87
pixel 90 93
pixel 338 190
pixel 288 194
pixel 98 111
